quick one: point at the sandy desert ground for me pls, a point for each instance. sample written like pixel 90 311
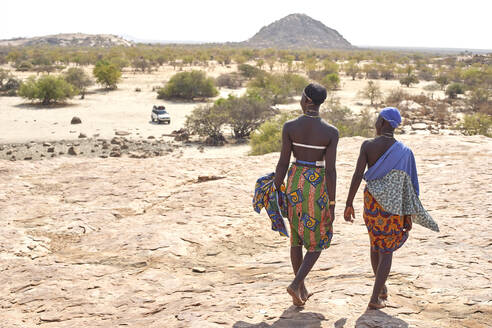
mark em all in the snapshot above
pixel 104 112
pixel 148 243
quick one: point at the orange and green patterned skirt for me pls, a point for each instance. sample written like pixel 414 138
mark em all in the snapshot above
pixel 307 208
pixel 385 229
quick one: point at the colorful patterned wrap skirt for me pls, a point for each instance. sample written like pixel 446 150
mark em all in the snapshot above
pixel 386 232
pixel 307 208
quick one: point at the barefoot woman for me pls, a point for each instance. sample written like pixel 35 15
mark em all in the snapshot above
pixel 311 185
pixel 390 198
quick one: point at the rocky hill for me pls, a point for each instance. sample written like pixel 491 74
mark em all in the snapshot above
pixel 298 31
pixel 70 40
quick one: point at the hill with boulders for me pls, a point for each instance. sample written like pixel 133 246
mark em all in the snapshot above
pixel 298 31
pixel 70 40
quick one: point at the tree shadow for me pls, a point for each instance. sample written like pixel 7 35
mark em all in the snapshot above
pixel 377 318
pixel 38 105
pixel 290 318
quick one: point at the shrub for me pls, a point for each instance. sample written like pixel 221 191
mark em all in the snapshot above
pixel 78 78
pixel 24 66
pixel 188 85
pixel 268 137
pixel 244 114
pixel 455 89
pixel 248 71
pixel 107 74
pixel 347 125
pixel 480 100
pixel 442 80
pixel 230 80
pixel 331 81
pixel 207 121
pixel 396 96
pixel 372 91
pixel 11 87
pixel 276 88
pixel 352 69
pixel 49 89
pixel 409 80
pixel 478 123
pixel 432 87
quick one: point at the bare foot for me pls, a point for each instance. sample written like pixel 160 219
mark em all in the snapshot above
pixel 384 293
pixel 376 305
pixel 296 296
pixel 305 295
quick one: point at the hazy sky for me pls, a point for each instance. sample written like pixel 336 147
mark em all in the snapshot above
pixel 424 23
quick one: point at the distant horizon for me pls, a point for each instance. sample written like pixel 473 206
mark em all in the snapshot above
pixel 199 42
pixel 422 23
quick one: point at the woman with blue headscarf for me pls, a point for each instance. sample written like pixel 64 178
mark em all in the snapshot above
pixel 390 198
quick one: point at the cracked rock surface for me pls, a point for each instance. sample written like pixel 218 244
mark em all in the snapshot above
pixel 167 242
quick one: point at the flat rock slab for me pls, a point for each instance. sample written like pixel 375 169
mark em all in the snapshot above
pixel 92 242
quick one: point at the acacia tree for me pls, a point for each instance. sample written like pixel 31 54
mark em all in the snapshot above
pixel 409 80
pixel 79 79
pixel 49 89
pixel 352 69
pixel 372 92
pixel 107 74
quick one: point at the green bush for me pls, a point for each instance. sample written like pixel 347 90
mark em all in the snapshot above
pixel 244 114
pixel 230 80
pixel 207 121
pixel 188 85
pixel 107 74
pixel 478 123
pixel 347 124
pixel 409 80
pixel 331 81
pixel 276 88
pixel 268 137
pixel 24 66
pixel 48 89
pixel 248 71
pixel 78 78
pixel 455 89
pixel 480 100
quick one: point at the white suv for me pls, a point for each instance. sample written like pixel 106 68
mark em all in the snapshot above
pixel 159 114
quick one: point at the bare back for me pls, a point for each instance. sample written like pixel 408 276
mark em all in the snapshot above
pixel 310 131
pixel 375 148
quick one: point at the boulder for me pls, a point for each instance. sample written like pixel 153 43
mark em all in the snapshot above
pixel 419 126
pixel 82 135
pixel 51 149
pixel 75 120
pixel 72 151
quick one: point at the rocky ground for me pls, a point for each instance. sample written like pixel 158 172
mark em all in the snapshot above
pixel 94 242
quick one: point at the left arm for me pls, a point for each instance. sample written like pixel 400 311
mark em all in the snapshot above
pixel 331 171
pixel 283 162
pixel 349 214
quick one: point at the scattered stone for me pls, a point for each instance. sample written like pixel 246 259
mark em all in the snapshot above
pixel 115 154
pixel 122 133
pixel 28 158
pixel 9 152
pixel 199 269
pixel 75 120
pixel 150 137
pixel 419 126
pixel 103 156
pixel 72 151
pixel 46 144
pixel 82 135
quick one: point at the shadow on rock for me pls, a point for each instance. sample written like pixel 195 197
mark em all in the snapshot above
pixel 290 318
pixel 377 319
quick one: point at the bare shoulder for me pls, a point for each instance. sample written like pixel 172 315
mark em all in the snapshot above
pixel 330 130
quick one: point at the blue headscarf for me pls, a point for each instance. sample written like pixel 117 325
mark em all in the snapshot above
pixel 392 115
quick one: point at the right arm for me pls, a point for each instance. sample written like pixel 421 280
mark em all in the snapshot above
pixel 283 162
pixel 349 213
